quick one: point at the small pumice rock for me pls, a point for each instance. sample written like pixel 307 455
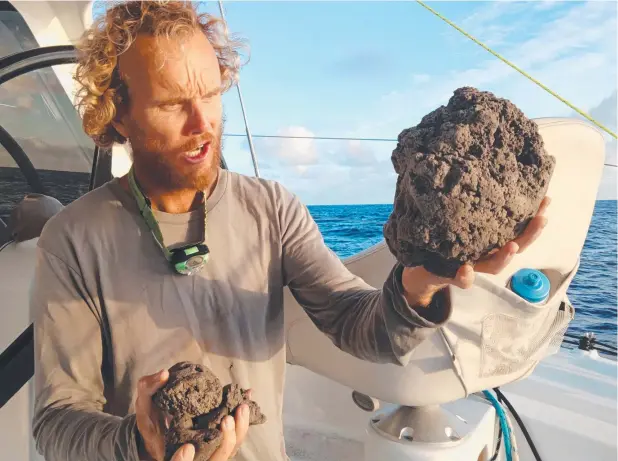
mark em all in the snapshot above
pixel 197 403
pixel 471 175
pixel 190 389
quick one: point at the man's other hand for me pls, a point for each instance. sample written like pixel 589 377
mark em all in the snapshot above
pixel 234 431
pixel 184 453
pixel 151 422
pixel 420 285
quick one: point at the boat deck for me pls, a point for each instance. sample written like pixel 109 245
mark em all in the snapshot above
pixel 568 405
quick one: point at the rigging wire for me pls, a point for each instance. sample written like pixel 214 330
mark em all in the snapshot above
pixel 242 106
pixel 522 72
pixel 331 138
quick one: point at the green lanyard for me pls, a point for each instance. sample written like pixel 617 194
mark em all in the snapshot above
pixel 185 260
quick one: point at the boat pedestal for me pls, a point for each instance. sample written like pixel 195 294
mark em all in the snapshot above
pixel 465 430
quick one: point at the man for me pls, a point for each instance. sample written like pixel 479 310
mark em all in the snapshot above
pixel 110 308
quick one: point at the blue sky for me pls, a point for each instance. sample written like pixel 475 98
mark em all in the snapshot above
pixel 372 69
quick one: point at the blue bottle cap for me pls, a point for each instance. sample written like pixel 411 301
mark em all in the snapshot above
pixel 531 284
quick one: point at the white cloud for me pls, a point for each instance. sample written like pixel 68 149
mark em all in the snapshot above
pixel 575 55
pixel 294 155
pixel 320 171
pixel 607 188
pixel 340 184
pixel 238 157
pixel 606 113
pixel 420 78
pixel 488 24
pixel 352 153
pixel 292 151
pixel 542 5
pixel 360 153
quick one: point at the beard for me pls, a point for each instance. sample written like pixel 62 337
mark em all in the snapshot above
pixel 166 170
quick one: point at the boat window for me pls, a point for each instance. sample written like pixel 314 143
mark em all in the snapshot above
pixel 15 35
pixel 13 184
pixel 37 112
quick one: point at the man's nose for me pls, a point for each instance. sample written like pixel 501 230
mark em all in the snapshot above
pixel 198 122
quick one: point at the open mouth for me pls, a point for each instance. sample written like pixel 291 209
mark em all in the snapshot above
pixel 197 155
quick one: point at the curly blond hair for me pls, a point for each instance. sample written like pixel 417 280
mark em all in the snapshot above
pixel 101 91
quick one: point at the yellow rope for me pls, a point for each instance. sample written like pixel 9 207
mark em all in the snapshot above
pixel 519 70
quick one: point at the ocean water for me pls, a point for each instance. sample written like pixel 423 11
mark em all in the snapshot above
pixel 62 185
pixel 348 229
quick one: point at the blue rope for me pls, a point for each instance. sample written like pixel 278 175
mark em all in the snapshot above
pixel 503 424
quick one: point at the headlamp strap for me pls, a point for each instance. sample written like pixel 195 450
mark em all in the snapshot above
pixel 144 205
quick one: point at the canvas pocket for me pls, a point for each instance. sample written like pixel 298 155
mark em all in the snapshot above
pixel 520 334
pixel 509 343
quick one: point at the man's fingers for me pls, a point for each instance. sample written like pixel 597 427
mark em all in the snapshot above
pixel 543 206
pixel 498 260
pixel 493 263
pixel 184 453
pixel 531 233
pixel 167 419
pixel 242 425
pixel 432 282
pixel 239 427
pixel 150 384
pixel 464 277
pixel 534 228
pixel 228 444
pixel 147 386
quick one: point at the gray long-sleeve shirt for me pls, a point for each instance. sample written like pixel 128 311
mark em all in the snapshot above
pixel 108 310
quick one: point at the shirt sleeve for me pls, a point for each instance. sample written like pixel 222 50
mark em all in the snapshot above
pixel 376 325
pixel 69 423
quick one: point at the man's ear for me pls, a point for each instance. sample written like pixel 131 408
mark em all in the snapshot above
pixel 121 99
pixel 120 127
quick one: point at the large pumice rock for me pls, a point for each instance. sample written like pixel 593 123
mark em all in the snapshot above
pixel 471 175
pixel 197 403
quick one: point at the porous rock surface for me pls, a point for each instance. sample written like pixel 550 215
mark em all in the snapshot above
pixel 471 175
pixel 197 403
